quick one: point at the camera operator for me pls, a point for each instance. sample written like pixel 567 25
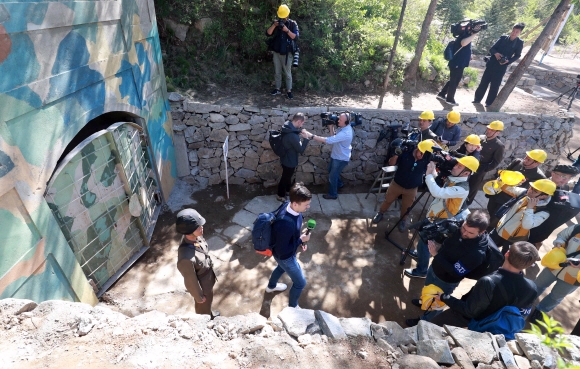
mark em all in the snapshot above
pixel 559 207
pixel 447 131
pixel 492 150
pixel 460 61
pixel 340 154
pixel 506 50
pixel 284 32
pixel 529 167
pixel 459 254
pixel 528 210
pixel 411 167
pixel 447 204
pixel 470 147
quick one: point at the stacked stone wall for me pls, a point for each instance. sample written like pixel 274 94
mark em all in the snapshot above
pixel 201 129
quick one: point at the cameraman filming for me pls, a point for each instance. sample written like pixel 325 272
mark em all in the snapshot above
pixel 506 50
pixel 447 203
pixel 284 32
pixel 460 61
pixel 340 154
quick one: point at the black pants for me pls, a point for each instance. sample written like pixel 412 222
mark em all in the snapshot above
pixel 285 181
pixel 451 317
pixel 475 184
pixel 455 75
pixel 491 77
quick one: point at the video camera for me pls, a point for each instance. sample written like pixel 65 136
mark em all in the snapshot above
pixel 439 157
pixel 355 119
pixel 437 231
pixel 400 145
pixel 468 25
pixel 281 23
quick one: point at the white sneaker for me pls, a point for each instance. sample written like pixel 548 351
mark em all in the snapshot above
pixel 279 288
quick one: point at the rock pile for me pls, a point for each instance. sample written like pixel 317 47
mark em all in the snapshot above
pixel 200 131
pixel 30 331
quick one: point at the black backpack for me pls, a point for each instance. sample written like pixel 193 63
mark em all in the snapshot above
pixel 276 143
pixel 493 260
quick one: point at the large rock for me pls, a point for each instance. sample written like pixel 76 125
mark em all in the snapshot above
pixel 477 345
pixel 417 362
pixel 430 331
pixel 268 156
pixel 297 321
pixel 392 332
pixel 532 346
pixel 461 358
pixel 522 362
pixel 240 127
pixel 179 30
pixel 200 108
pixel 437 350
pixel 354 327
pixel 508 358
pixel 10 306
pixel 218 135
pixel 330 325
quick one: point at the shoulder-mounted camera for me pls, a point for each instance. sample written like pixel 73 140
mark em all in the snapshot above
pixel 352 118
pixel 468 26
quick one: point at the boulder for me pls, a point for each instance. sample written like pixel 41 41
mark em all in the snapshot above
pixel 477 345
pixel 532 347
pixel 175 97
pixel 429 331
pixel 417 362
pixel 330 325
pixel 391 332
pixel 297 321
pixel 461 358
pixel 437 350
pixel 508 358
pixel 354 327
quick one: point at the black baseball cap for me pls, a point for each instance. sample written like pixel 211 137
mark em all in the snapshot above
pixel 566 169
pixel 188 220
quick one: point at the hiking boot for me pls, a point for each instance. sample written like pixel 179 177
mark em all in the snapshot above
pixel 289 94
pixel 416 302
pixel 276 92
pixel 412 322
pixel 440 97
pixel 279 288
pixel 377 218
pixel 412 273
pixel 402 225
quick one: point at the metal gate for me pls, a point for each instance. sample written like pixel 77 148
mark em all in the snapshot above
pixel 106 200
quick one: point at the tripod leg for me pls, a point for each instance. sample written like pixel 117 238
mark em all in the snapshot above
pixel 405 252
pixel 572 97
pixel 388 233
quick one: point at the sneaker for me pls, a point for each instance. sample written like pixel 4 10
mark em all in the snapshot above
pixel 452 103
pixel 402 225
pixel 413 254
pixel 440 97
pixel 289 94
pixel 411 273
pixel 328 197
pixel 276 92
pixel 377 218
pixel 416 302
pixel 279 288
pixel 476 102
pixel 280 198
pixel 412 322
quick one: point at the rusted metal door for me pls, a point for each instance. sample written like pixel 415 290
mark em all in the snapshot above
pixel 105 197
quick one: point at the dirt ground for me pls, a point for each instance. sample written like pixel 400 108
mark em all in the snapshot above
pixel 351 269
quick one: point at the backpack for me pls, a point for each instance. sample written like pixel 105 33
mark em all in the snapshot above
pixel 262 230
pixel 507 320
pixel 448 53
pixel 275 140
pixel 493 260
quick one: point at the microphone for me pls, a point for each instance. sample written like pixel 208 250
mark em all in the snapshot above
pixel 310 225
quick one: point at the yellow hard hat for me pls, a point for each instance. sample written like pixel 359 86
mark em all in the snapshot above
pixel 553 258
pixel 473 139
pixel 496 125
pixel 537 155
pixel 428 301
pixel 510 177
pixel 544 185
pixel 283 11
pixel 470 163
pixel 426 145
pixel 454 116
pixel 427 114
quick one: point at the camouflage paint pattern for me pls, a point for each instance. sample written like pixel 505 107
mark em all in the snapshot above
pixel 61 65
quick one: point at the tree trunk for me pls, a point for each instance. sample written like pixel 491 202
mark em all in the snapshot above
pixel 392 57
pixel 411 74
pixel 529 57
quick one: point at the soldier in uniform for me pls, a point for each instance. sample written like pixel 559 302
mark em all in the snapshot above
pixel 492 150
pixel 194 262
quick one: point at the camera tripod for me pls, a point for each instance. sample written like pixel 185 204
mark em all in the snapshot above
pixel 406 250
pixel 573 92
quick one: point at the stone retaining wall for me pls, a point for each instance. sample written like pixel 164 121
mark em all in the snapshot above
pixel 548 78
pixel 201 129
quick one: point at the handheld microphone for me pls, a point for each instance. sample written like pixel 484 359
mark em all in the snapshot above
pixel 310 225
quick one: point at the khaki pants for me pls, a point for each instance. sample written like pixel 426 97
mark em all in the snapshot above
pixel 393 192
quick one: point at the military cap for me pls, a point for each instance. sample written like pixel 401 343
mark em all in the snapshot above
pixel 188 220
pixel 566 169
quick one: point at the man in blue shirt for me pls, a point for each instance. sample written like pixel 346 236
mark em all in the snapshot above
pixel 460 61
pixel 286 238
pixel 340 154
pixel 447 131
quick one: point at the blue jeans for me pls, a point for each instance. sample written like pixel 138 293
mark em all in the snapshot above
pixel 560 290
pixel 295 273
pixel 335 167
pixel 447 288
pixel 423 256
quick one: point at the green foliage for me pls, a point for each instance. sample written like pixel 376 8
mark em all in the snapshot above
pixel 551 334
pixel 472 74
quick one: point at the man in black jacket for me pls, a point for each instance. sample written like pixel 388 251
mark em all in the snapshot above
pixel 284 32
pixel 506 50
pixel 486 298
pixel 294 145
pixel 461 253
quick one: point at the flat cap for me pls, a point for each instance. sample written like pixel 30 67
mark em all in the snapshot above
pixel 188 220
pixel 566 169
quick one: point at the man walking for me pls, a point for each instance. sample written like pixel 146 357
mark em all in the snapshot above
pixel 506 50
pixel 286 238
pixel 293 145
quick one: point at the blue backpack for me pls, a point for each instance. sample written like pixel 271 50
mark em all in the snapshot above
pixel 507 320
pixel 262 230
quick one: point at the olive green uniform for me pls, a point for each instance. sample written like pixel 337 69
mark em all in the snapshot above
pixel 196 267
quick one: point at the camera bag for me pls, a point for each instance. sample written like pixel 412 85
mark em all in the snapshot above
pixel 448 54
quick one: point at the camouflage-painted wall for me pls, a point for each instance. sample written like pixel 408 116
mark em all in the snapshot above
pixel 61 65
